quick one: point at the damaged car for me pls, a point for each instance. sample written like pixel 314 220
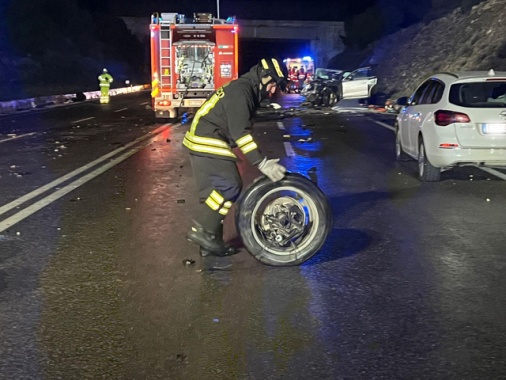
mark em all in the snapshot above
pixel 329 86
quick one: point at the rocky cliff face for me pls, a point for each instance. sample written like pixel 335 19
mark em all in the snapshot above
pixel 459 41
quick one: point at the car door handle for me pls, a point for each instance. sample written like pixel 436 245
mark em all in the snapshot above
pixel 416 114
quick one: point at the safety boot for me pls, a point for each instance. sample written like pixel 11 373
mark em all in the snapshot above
pixel 229 251
pixel 210 244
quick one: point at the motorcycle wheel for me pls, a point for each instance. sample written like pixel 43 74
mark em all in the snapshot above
pixel 283 223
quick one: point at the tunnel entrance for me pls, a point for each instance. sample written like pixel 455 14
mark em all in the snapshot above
pixel 251 51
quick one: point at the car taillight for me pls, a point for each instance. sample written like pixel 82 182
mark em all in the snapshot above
pixel 164 103
pixel 444 118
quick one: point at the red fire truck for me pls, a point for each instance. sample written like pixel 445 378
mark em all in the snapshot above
pixel 190 59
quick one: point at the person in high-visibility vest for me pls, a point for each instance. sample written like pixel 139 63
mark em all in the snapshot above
pixel 105 80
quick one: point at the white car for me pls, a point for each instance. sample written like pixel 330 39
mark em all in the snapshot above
pixel 358 84
pixel 454 119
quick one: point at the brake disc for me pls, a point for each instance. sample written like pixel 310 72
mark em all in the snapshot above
pixel 283 221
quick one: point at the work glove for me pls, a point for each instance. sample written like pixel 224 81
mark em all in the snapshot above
pixel 272 169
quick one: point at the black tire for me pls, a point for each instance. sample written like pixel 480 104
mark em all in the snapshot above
pixel 339 94
pixel 334 98
pixel 329 98
pixel 426 172
pixel 299 205
pixel 399 153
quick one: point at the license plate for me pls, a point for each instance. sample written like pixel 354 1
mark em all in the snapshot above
pixel 493 128
pixel 194 103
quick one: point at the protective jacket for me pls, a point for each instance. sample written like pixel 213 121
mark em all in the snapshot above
pixel 225 120
pixel 105 80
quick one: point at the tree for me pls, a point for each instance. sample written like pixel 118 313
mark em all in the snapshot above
pixel 37 26
pixel 59 44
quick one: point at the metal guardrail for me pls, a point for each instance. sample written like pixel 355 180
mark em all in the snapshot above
pixel 13 106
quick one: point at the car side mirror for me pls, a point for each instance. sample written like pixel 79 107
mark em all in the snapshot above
pixel 402 101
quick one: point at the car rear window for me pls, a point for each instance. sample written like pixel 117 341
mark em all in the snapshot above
pixel 479 94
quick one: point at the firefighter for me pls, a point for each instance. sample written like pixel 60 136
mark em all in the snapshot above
pixel 301 77
pixel 105 80
pixel 294 78
pixel 225 121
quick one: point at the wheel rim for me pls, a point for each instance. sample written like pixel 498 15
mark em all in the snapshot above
pixel 332 99
pixel 398 148
pixel 421 160
pixel 285 221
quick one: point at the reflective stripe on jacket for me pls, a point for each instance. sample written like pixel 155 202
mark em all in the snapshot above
pixel 105 80
pixel 225 120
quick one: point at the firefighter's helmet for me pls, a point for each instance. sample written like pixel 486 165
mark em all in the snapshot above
pixel 272 71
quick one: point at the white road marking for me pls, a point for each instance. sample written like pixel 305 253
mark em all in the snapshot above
pixel 384 125
pixel 143 104
pixel 281 126
pixel 497 173
pixel 25 213
pixel 78 121
pixel 123 109
pixel 17 137
pixel 339 109
pixel 289 149
pixel 56 182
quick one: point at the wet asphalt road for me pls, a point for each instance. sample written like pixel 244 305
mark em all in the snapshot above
pixel 409 285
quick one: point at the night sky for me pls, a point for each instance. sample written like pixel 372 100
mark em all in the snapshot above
pixel 331 10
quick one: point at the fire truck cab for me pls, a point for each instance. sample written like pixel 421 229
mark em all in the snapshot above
pixel 190 59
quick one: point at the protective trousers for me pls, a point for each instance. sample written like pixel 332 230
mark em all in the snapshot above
pixel 219 185
pixel 104 93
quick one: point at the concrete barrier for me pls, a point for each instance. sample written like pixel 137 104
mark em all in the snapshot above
pixel 12 106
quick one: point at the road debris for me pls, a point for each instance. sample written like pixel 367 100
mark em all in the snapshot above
pixel 182 358
pixel 188 262
pixel 215 268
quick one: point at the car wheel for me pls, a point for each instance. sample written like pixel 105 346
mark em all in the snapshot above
pixel 426 172
pixel 399 153
pixel 333 99
pixel 328 98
